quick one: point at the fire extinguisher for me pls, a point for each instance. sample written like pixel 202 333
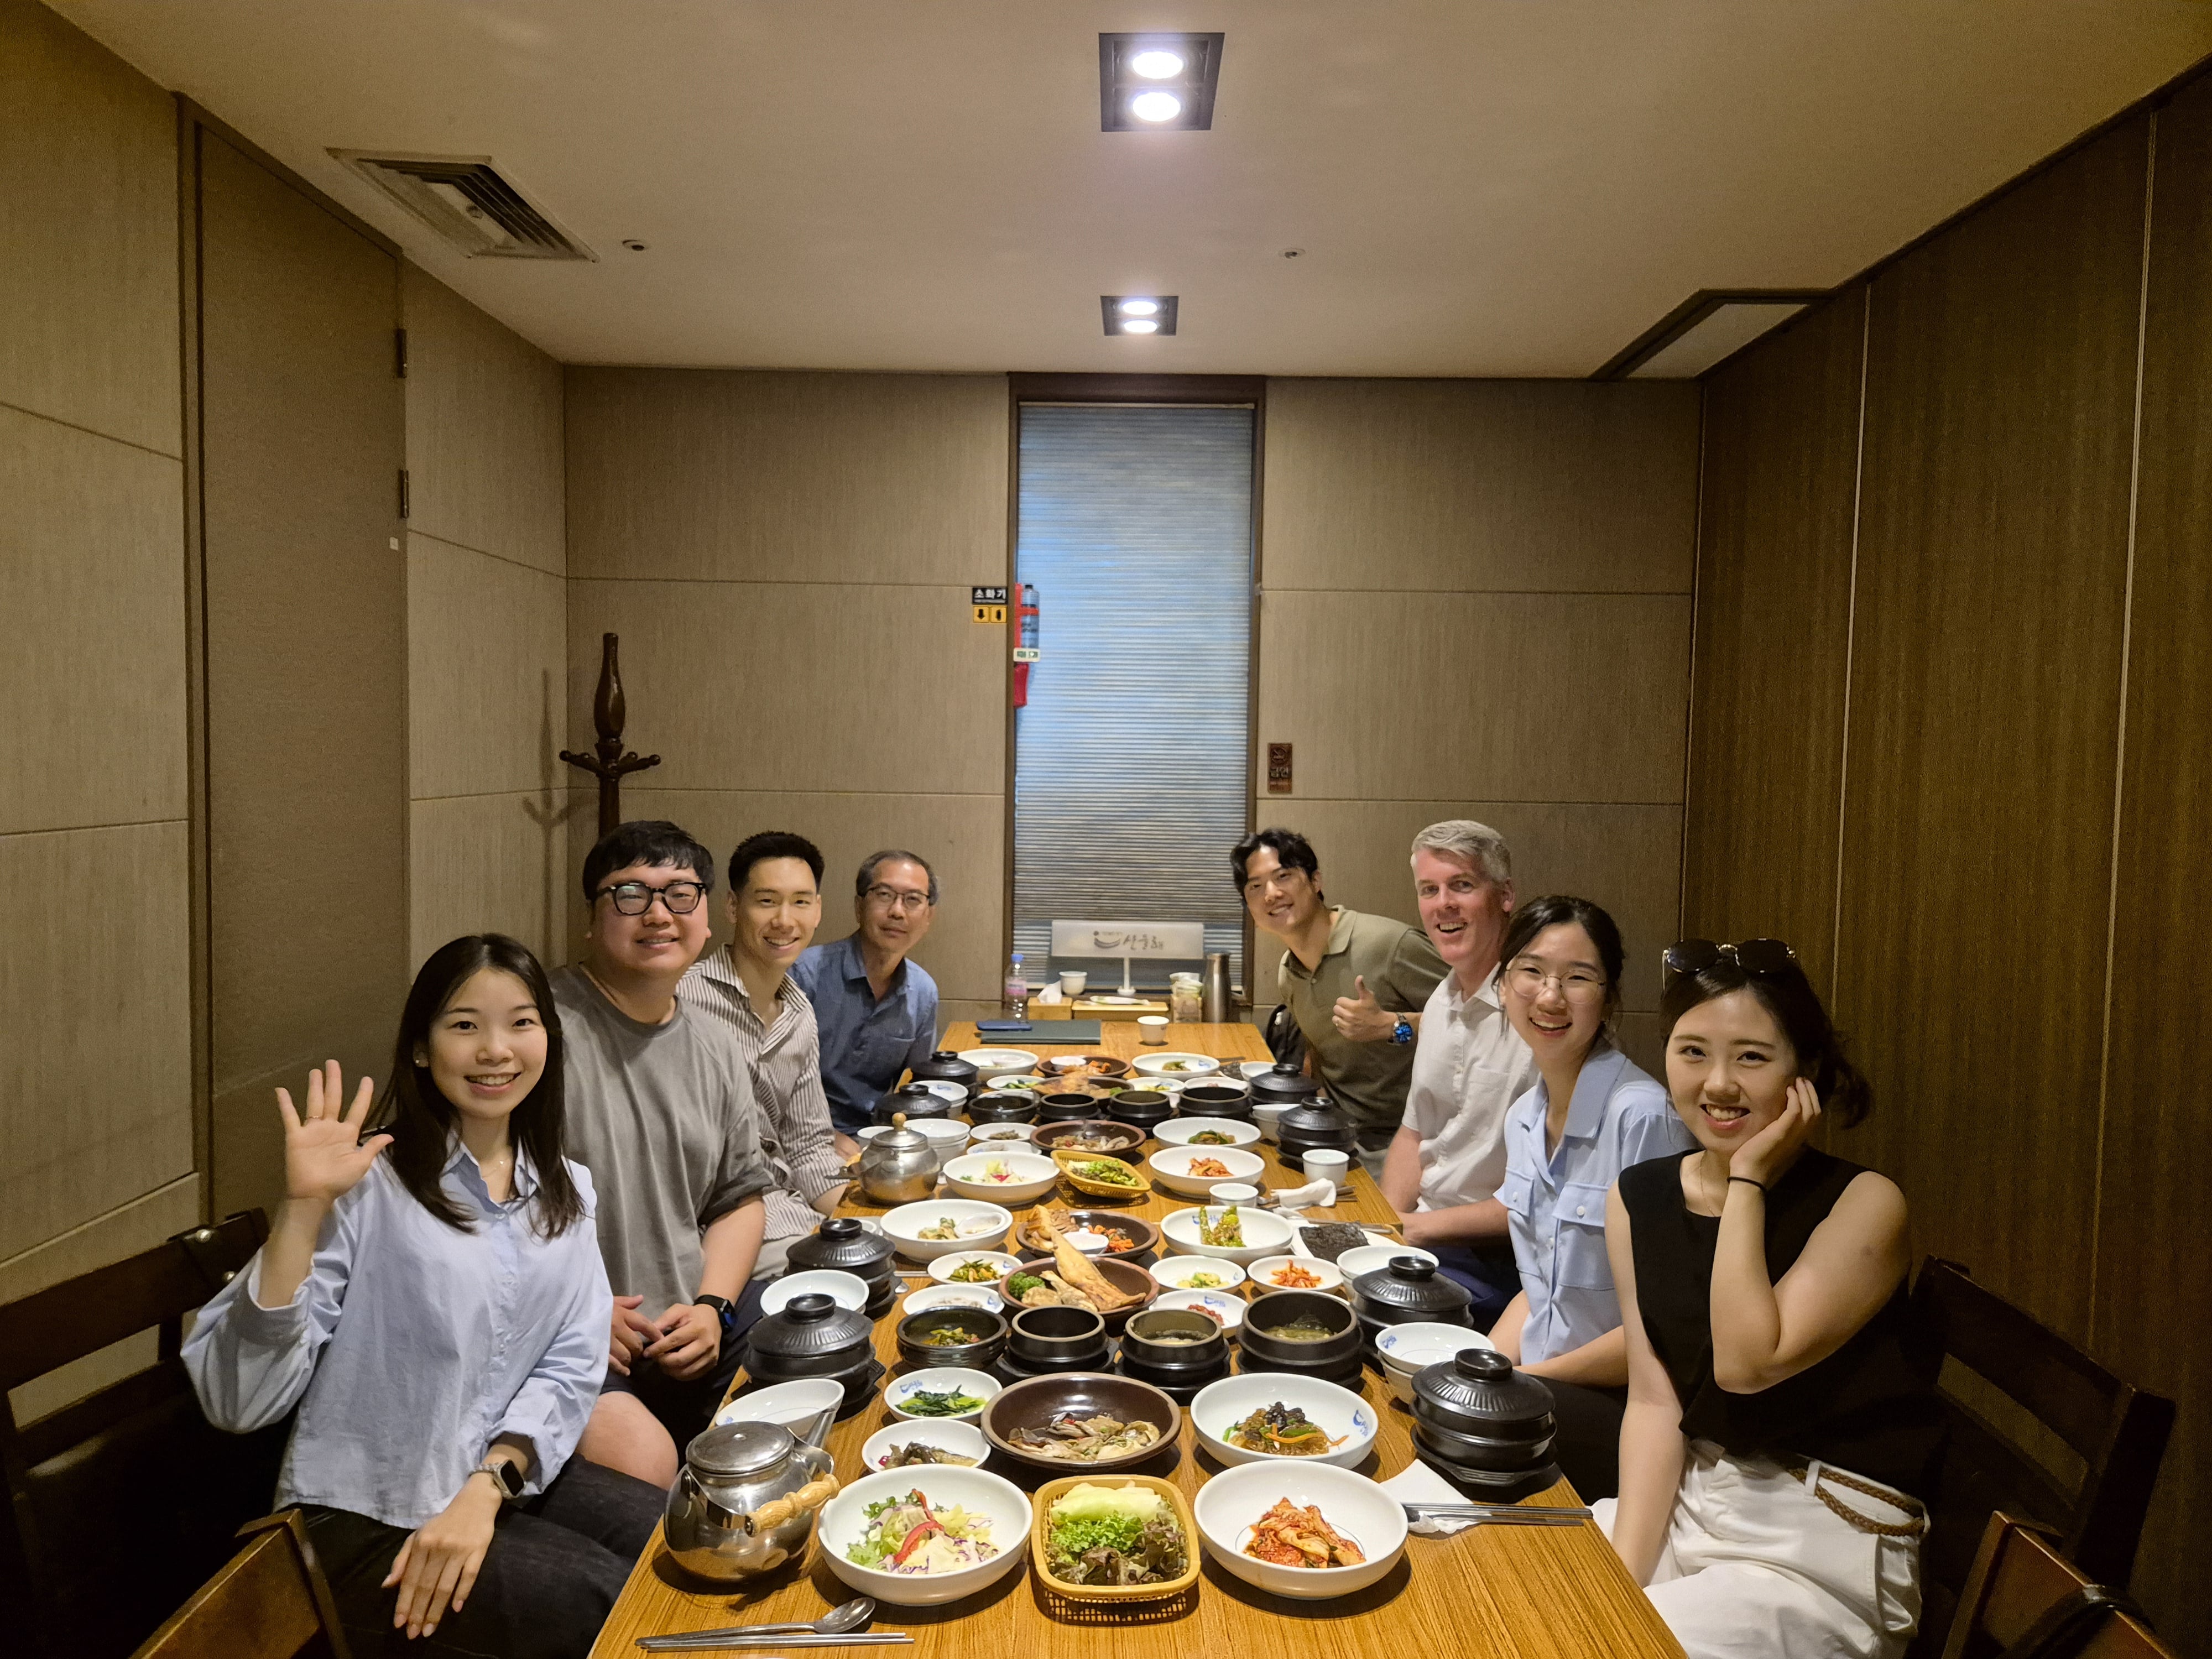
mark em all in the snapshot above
pixel 1025 639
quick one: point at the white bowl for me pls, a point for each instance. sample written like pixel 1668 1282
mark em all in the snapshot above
pixel 1219 1407
pixel 944 1266
pixel 934 1295
pixel 1228 1504
pixel 945 1434
pixel 942 1379
pixel 1263 1273
pixel 806 1408
pixel 1268 1120
pixel 999 1062
pixel 1373 1258
pixel 1031 1080
pixel 945 1089
pixel 1407 1350
pixel 1248 1069
pixel 1265 1234
pixel 1029 1176
pixel 847 1291
pixel 1174 1273
pixel 844 1519
pixel 981 1137
pixel 1176 1064
pixel 1178 1131
pixel 1227 1306
pixel 1169 1167
pixel 903 1225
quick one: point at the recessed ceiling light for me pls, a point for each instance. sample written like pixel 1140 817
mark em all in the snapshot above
pixel 1137 314
pixel 1147 83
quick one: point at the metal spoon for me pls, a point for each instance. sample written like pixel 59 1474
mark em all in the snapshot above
pixel 850 1616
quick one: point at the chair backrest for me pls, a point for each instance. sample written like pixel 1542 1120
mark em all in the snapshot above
pixel 2024 1600
pixel 137 1454
pixel 268 1601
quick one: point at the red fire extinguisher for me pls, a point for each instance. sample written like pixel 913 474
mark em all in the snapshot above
pixel 1026 639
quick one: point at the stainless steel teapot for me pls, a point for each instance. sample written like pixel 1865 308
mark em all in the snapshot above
pixel 899 1166
pixel 744 1501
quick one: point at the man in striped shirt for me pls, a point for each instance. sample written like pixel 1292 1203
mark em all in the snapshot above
pixel 774 906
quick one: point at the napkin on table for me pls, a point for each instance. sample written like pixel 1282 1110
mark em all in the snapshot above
pixel 1419 1483
pixel 1293 1200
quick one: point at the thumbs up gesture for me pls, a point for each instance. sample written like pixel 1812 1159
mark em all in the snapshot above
pixel 1361 1019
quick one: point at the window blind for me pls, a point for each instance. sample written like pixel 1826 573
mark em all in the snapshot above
pixel 1132 753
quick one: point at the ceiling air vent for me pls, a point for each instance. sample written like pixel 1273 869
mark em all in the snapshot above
pixel 467 201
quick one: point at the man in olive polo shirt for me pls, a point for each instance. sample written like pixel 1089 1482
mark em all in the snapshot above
pixel 1355 983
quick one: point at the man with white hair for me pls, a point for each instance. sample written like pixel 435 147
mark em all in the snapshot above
pixel 1469 1065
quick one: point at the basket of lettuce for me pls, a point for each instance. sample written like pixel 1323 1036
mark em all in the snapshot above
pixel 1114 1538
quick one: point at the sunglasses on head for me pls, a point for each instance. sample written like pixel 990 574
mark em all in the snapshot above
pixel 1764 958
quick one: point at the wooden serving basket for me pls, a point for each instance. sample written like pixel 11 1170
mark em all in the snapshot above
pixel 1194 1550
pixel 1068 1163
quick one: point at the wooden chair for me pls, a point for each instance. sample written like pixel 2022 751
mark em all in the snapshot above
pixel 268 1601
pixel 2116 1430
pixel 2023 1601
pixel 120 1504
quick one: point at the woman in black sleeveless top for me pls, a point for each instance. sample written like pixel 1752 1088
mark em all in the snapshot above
pixel 1780 1411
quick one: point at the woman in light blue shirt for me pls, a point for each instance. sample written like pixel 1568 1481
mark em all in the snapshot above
pixel 1591 1114
pixel 432 1300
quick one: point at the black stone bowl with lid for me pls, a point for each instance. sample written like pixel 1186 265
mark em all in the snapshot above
pixel 844 1244
pixel 1311 1127
pixel 1002 1106
pixel 1177 1350
pixel 982 1335
pixel 1142 1108
pixel 814 1337
pixel 946 1066
pixel 1283 1084
pixel 1334 1358
pixel 1217 1096
pixel 914 1101
pixel 1405 1289
pixel 1484 1426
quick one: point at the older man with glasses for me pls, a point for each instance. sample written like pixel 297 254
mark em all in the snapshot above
pixel 876 1010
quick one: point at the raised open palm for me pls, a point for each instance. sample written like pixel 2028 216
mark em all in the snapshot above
pixel 323 1152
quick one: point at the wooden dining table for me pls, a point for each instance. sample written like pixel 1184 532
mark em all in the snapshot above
pixel 1490 1592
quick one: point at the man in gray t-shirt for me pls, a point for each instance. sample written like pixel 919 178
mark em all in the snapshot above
pixel 660 1110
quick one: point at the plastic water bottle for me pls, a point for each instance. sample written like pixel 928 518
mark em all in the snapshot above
pixel 1018 989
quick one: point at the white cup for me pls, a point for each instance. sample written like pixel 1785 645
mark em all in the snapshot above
pixel 1071 985
pixel 1152 1029
pixel 1234 1192
pixel 1325 1161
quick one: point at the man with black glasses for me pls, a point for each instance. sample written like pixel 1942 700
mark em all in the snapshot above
pixel 875 1008
pixel 660 1111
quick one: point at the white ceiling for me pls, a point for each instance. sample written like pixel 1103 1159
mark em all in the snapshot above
pixel 1480 187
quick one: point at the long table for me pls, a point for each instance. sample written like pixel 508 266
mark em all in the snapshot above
pixel 1488 1592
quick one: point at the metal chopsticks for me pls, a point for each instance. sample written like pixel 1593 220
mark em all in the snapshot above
pixel 704 1641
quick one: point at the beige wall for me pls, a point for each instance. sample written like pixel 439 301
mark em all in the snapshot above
pixel 96 1110
pixel 487 621
pixel 788 559
pixel 1477 605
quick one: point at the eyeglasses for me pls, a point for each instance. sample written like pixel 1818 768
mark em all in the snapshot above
pixel 634 898
pixel 1576 984
pixel 893 898
pixel 1765 958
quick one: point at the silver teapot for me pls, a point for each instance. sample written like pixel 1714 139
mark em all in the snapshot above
pixel 899 1166
pixel 744 1501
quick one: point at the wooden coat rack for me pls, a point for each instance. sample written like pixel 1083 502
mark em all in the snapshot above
pixel 607 761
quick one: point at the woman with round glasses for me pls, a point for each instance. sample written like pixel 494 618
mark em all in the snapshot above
pixel 1780 1409
pixel 1591 1114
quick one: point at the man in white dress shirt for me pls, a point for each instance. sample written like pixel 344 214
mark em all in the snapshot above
pixel 1469 1065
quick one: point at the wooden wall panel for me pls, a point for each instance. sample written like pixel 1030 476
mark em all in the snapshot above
pixel 92 585
pixel 1774 588
pixel 88 234
pixel 1485 696
pixel 2154 1276
pixel 1984 711
pixel 683 474
pixel 487 648
pixel 302 437
pixel 491 863
pixel 96 1024
pixel 485 421
pixel 1540 486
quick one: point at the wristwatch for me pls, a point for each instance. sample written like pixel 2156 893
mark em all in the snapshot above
pixel 505 1475
pixel 725 1309
pixel 1404 1032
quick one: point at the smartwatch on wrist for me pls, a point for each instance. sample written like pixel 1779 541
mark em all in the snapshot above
pixel 725 1309
pixel 1404 1032
pixel 504 1475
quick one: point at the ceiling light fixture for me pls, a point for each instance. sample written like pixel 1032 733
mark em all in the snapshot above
pixel 1137 314
pixel 1156 82
pixel 1705 330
